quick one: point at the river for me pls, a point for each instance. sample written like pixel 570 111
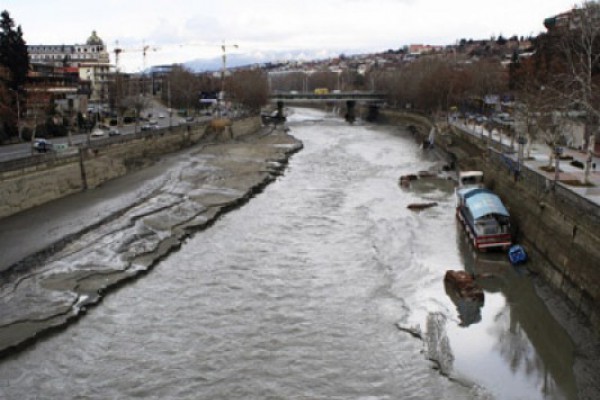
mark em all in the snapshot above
pixel 323 286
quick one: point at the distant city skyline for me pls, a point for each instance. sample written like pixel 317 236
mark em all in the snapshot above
pixel 178 31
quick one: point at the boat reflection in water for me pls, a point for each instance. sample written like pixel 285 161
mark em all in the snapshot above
pixel 469 310
pixel 513 335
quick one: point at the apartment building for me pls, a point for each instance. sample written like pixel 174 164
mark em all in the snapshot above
pixel 93 51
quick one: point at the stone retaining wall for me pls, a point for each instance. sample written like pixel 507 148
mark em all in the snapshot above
pixel 52 177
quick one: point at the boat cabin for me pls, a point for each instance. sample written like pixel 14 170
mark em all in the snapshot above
pixel 470 179
pixel 484 216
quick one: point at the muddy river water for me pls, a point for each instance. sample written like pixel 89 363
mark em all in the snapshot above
pixel 323 286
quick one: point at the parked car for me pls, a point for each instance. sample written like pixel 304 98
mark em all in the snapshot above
pixel 504 119
pixel 98 132
pixel 114 132
pixel 149 127
pixel 42 145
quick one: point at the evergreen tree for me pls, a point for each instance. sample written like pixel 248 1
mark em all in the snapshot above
pixel 13 52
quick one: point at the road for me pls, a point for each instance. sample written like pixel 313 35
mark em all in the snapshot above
pixel 21 150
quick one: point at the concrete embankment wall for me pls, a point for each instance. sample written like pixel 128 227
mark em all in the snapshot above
pixel 561 229
pixel 407 118
pixel 54 176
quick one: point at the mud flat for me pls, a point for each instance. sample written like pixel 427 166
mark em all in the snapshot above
pixel 145 217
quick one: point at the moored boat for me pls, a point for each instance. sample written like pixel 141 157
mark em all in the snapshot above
pixel 484 217
pixel 421 206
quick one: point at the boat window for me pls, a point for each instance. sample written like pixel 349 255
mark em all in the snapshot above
pixel 472 180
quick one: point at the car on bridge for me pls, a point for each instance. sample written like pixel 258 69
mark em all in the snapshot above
pixel 149 127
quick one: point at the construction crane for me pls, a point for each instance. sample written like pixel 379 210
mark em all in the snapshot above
pixel 224 67
pixel 224 48
pixel 144 50
pixel 118 50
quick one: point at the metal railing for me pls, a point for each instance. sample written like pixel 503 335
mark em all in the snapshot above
pixel 538 183
pixel 52 157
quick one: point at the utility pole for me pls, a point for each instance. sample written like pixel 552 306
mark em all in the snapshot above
pixel 117 83
pixel 169 100
pixel 118 50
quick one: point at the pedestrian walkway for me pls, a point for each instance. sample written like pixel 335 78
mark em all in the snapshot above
pixel 538 155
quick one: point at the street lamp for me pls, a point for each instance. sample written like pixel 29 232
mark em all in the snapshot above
pixel 169 101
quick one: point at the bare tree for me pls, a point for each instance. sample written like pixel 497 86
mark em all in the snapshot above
pixel 183 88
pixel 137 103
pixel 551 129
pixel 430 84
pixel 117 91
pixel 249 88
pixel 324 79
pixel 579 79
pixel 488 77
pixel 534 100
pixel 287 81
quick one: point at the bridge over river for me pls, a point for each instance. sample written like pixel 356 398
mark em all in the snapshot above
pixel 372 99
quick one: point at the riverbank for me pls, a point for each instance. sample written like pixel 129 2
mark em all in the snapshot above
pixel 58 260
pixel 34 181
pixel 548 230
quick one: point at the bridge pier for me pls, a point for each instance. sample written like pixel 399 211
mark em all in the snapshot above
pixel 351 98
pixel 279 116
pixel 373 113
pixel 350 111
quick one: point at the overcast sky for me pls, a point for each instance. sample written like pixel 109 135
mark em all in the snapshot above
pixel 183 30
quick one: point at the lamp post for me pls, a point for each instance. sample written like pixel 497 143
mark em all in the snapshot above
pixel 18 113
pixel 169 100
